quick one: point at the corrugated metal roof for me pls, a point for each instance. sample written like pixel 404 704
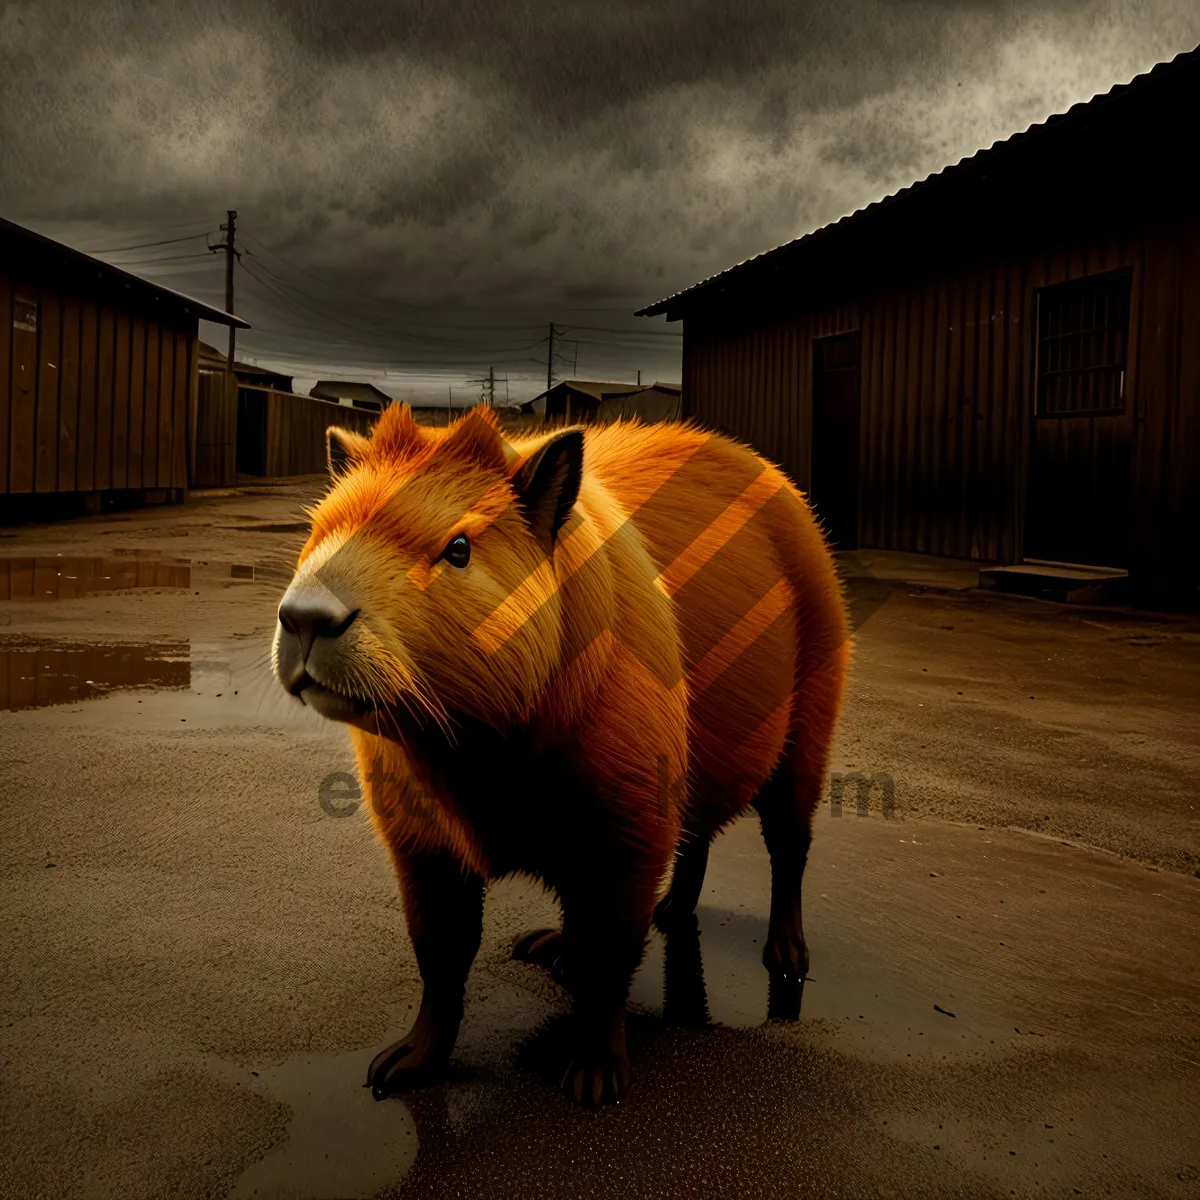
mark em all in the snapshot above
pixel 1188 60
pixel 86 263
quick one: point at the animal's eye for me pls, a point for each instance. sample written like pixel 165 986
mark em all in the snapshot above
pixel 458 552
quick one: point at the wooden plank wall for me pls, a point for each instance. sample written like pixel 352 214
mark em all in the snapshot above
pixel 96 398
pixel 216 431
pixel 1166 451
pixel 296 428
pixel 756 384
pixel 947 375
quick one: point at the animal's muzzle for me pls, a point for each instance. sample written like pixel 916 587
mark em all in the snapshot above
pixel 311 619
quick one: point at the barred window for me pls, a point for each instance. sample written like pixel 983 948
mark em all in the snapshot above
pixel 25 314
pixel 1083 342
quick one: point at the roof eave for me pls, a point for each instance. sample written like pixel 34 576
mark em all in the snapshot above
pixel 970 166
pixel 186 304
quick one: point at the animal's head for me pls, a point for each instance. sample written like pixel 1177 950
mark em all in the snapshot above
pixel 426 588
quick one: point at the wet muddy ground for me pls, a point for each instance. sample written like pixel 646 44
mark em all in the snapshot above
pixel 200 958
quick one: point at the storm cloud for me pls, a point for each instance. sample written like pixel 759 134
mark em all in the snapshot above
pixel 422 186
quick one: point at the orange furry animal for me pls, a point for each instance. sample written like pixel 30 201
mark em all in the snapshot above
pixel 583 652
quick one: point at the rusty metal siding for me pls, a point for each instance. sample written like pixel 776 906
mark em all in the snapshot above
pixel 947 368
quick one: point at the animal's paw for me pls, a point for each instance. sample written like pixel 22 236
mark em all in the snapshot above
pixel 543 948
pixel 785 954
pixel 418 1058
pixel 596 1078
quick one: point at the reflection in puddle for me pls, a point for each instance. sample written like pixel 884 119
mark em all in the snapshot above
pixel 341 1143
pixel 36 675
pixel 62 578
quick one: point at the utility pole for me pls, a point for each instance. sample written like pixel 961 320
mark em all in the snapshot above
pixel 230 247
pixel 639 377
pixel 487 388
pixel 550 360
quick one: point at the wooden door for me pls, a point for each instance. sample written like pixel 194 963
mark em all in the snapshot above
pixel 1078 503
pixel 833 489
pixel 251 431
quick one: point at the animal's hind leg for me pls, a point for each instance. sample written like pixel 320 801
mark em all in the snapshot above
pixel 786 803
pixel 691 862
pixel 786 813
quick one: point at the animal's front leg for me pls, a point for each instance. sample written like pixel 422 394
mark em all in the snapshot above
pixel 603 940
pixel 444 903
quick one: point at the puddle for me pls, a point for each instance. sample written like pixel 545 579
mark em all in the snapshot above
pixel 40 674
pixel 341 1144
pixel 63 578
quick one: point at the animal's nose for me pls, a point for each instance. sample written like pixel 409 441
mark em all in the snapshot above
pixel 310 615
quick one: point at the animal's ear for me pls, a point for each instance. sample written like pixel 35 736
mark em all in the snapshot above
pixel 547 484
pixel 476 437
pixel 396 433
pixel 342 448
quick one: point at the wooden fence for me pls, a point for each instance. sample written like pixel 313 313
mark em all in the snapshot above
pixel 296 425
pixel 215 422
pixel 263 433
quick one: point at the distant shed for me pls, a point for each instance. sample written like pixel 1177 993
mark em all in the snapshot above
pixel 1001 362
pixel 351 393
pixel 211 359
pixel 596 401
pixel 655 402
pixel 98 373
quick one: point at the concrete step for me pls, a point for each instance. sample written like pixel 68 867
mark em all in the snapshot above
pixel 1068 583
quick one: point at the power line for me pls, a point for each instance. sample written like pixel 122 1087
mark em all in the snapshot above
pixel 385 325
pixel 426 308
pixel 330 285
pixel 400 348
pixel 151 262
pixel 191 237
pixel 311 310
pixel 386 355
pixel 378 303
pixel 635 333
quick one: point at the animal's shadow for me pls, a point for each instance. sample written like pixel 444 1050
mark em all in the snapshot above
pixel 685 993
pixel 476 1112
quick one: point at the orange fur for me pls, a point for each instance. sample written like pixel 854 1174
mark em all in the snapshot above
pixel 690 613
pixel 636 632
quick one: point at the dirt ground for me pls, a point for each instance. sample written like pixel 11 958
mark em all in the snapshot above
pixel 200 958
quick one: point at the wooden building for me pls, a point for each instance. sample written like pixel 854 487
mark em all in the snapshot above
pixel 356 395
pixel 211 359
pixel 280 434
pixel 98 375
pixel 263 432
pixel 593 401
pixel 259 427
pixel 1000 362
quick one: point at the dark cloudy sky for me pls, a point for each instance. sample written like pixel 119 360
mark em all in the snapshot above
pixel 422 185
